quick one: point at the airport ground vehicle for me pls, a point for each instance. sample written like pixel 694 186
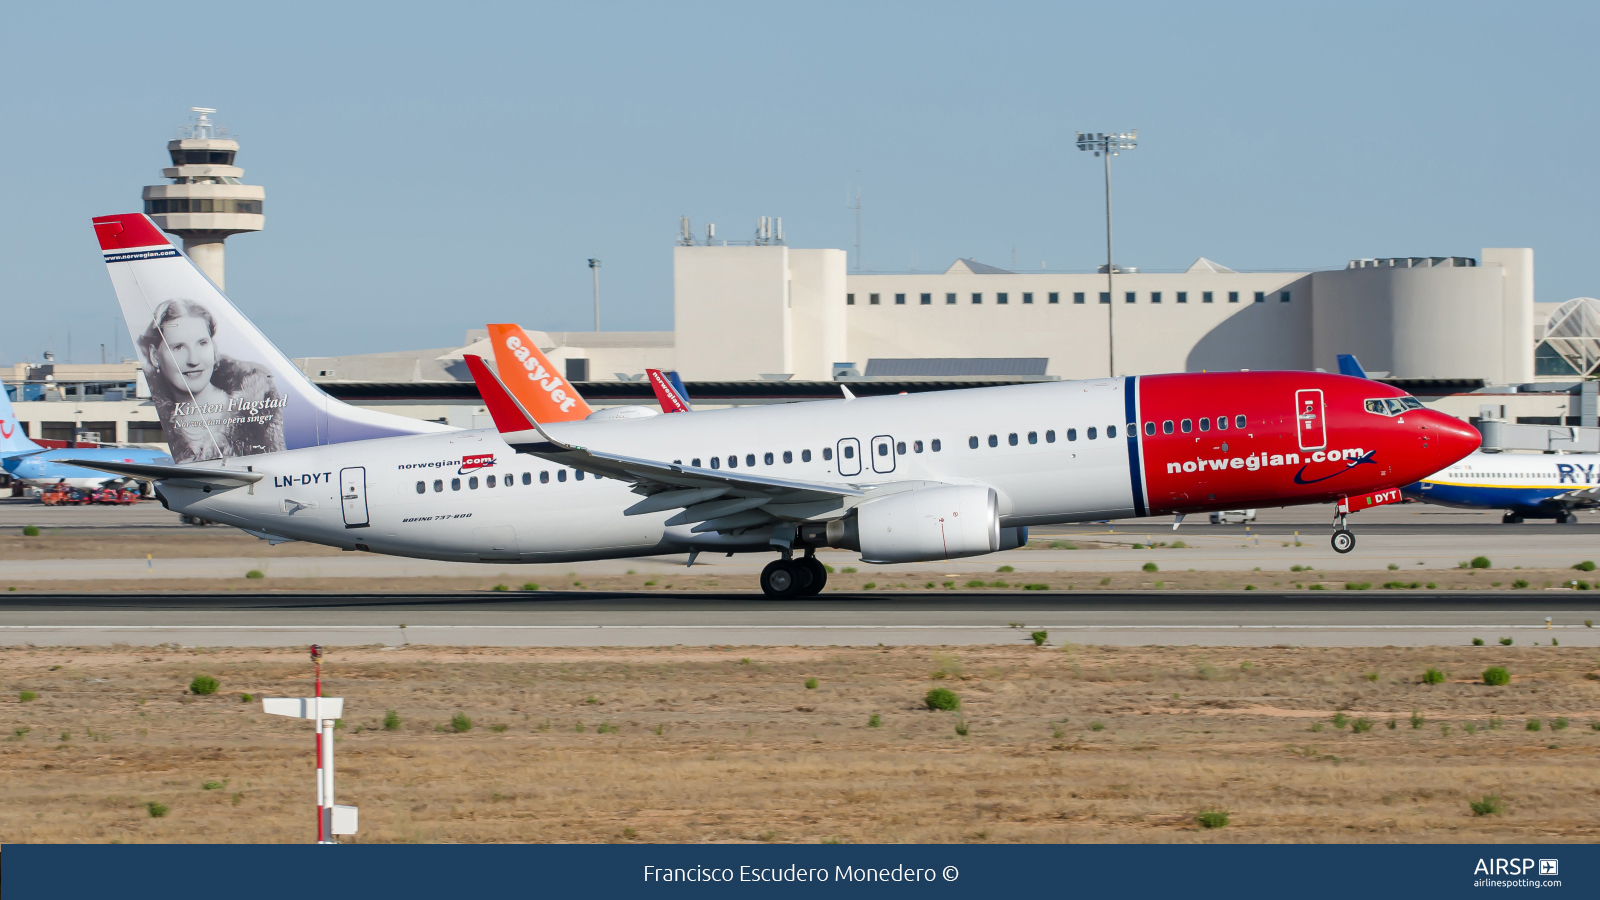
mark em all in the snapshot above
pixel 1233 517
pixel 904 478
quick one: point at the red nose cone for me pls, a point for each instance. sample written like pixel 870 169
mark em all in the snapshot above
pixel 1451 438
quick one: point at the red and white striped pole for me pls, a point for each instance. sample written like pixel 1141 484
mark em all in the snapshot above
pixel 316 715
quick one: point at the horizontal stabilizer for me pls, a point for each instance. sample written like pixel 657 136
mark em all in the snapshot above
pixel 180 475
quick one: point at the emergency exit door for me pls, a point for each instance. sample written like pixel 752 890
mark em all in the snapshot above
pixel 353 496
pixel 1310 421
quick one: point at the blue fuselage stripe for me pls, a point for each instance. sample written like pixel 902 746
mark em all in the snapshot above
pixel 1131 422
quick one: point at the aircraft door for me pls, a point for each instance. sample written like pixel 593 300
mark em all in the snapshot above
pixel 353 496
pixel 883 454
pixel 1310 421
pixel 849 460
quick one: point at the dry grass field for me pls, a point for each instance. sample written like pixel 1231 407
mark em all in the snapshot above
pixel 730 744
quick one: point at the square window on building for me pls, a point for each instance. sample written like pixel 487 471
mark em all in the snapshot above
pixel 872 299
pixel 950 299
pixel 899 299
pixel 1183 296
pixel 1261 296
pixel 1283 296
pixel 1077 296
pixel 927 299
pixel 1027 298
pixel 577 370
pixel 1155 296
pixel 1002 298
pixel 1233 296
pixel 977 298
pixel 1105 296
pixel 849 299
pixel 1206 297
pixel 1055 297
pixel 1130 297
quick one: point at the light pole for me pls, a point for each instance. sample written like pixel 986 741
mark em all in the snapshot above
pixel 594 266
pixel 1107 146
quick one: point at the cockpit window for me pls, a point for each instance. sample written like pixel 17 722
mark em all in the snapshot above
pixel 1392 406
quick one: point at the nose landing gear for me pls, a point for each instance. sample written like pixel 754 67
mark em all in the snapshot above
pixel 1343 539
pixel 786 577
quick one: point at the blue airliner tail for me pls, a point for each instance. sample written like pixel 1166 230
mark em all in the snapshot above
pixel 13 441
pixel 1349 365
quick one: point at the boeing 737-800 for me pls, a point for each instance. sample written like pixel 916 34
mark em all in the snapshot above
pixel 906 478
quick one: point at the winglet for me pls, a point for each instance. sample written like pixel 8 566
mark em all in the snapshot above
pixel 667 392
pixel 508 414
pixel 847 394
pixel 1349 365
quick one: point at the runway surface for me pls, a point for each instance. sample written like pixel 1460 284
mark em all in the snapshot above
pixel 552 619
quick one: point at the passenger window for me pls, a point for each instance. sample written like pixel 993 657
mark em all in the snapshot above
pixel 1050 437
pixel 750 460
pixel 827 453
pixel 438 485
pixel 1091 434
pixel 900 447
pixel 544 477
pixel 455 484
pixel 917 446
pixel 1205 424
pixel 849 451
pixel 1166 427
pixel 788 457
pixel 805 456
pixel 489 482
pixel 1222 423
pixel 527 478
pixel 695 462
pixel 1111 431
pixel 733 462
pixel 422 487
pixel 767 458
pixel 1239 421
pixel 472 482
pixel 1150 428
pixel 973 442
pixel 1012 439
pixel 578 474
pixel 994 440
pixel 1072 434
pixel 935 445
pixel 1186 425
pixel 883 449
pixel 716 462
pixel 561 474
pixel 1033 437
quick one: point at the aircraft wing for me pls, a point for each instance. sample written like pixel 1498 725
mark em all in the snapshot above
pixel 1588 498
pixel 185 476
pixel 715 498
pixel 21 453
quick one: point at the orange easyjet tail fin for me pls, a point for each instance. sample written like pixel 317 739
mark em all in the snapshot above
pixel 532 379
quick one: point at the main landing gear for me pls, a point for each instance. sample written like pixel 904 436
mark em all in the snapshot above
pixel 788 577
pixel 1343 539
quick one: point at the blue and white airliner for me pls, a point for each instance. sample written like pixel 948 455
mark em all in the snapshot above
pixel 1525 485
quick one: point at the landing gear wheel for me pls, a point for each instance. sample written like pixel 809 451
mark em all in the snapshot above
pixel 1343 541
pixel 781 579
pixel 1511 518
pixel 1566 518
pixel 819 575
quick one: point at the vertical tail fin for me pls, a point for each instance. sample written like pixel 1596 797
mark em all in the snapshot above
pixel 13 440
pixel 670 392
pixel 220 388
pixel 1349 365
pixel 542 392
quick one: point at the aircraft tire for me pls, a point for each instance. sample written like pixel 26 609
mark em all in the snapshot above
pixel 1566 518
pixel 781 580
pixel 819 575
pixel 1511 518
pixel 1343 541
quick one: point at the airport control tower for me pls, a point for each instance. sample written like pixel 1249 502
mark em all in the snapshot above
pixel 205 201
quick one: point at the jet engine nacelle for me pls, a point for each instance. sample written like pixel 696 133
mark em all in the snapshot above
pixel 928 524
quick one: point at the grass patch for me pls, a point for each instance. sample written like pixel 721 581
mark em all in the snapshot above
pixel 1036 587
pixel 961 727
pixel 1477 642
pixel 1212 818
pixel 1505 642
pixel 255 573
pixel 1097 726
pixel 1357 585
pixel 500 587
pixel 942 698
pixel 27 696
pixel 1361 725
pixel 1416 719
pixel 1005 569
pixel 811 684
pixel 1497 676
pixel 213 786
pixel 30 531
pixel 1039 637
pixel 874 721
pixel 1534 725
pixel 157 810
pixel 460 724
pixel 1150 567
pixel 1585 566
pixel 1488 806
pixel 203 685
pixel 1433 676
pixel 1480 562
pixel 391 720
pixel 1340 720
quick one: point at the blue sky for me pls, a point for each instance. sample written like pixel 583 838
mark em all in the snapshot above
pixel 433 167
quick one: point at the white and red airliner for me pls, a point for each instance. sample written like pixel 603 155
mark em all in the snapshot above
pixel 901 479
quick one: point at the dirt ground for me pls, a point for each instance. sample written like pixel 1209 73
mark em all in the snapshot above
pixel 730 744
pixel 866 579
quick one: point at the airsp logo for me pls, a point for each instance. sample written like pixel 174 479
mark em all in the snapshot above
pixel 1549 867
pixel 1516 867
